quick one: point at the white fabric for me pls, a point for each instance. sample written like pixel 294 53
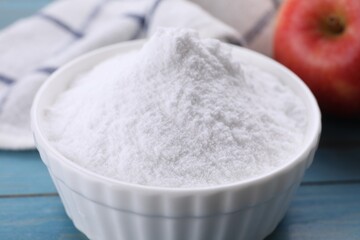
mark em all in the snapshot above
pixel 192 16
pixel 253 19
pixel 31 49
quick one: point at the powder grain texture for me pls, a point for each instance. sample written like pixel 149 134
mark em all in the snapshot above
pixel 181 112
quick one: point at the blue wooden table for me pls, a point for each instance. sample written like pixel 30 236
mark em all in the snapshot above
pixel 327 205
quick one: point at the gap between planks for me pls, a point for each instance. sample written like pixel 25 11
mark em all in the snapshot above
pixel 53 194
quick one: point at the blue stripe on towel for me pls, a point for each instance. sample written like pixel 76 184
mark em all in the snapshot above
pixel 151 13
pixel 259 26
pixel 60 24
pixel 93 15
pixel 276 3
pixel 6 80
pixel 235 41
pixel 47 70
pixel 139 18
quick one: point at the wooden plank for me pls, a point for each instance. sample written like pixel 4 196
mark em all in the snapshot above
pixel 322 212
pixel 35 218
pixel 11 10
pixel 23 173
pixel 340 164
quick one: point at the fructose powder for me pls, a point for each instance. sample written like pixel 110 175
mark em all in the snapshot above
pixel 181 112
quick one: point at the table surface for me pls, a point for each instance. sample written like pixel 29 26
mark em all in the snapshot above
pixel 326 206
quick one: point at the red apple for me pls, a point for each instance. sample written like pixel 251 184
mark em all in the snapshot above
pixel 320 41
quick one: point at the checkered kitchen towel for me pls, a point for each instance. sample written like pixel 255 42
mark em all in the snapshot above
pixel 253 19
pixel 33 48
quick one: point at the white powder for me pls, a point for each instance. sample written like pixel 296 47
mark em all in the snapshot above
pixel 181 112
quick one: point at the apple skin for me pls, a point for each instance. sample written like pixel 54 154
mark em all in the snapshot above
pixel 320 41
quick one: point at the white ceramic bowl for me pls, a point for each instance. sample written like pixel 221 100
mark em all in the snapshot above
pixel 104 208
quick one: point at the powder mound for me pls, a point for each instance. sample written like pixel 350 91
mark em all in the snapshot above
pixel 181 112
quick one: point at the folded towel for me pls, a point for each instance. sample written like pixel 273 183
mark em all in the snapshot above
pixel 190 15
pixel 253 19
pixel 35 47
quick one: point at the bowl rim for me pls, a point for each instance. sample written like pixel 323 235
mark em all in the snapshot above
pixel 304 150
